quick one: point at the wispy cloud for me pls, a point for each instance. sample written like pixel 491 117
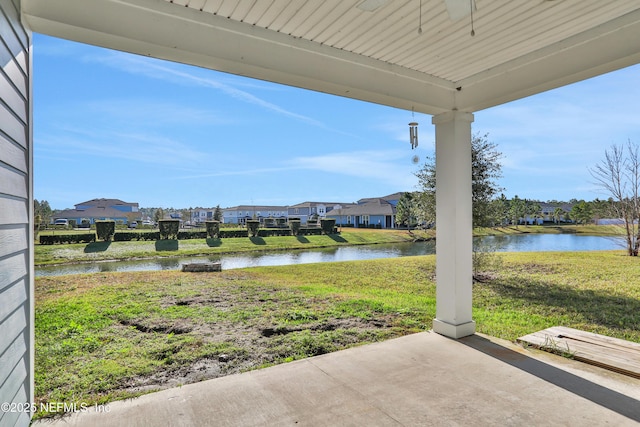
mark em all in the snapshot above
pixel 379 165
pixel 390 166
pixel 140 147
pixel 155 69
pixel 144 112
pixel 237 172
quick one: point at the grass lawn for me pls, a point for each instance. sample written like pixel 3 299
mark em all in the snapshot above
pixel 107 336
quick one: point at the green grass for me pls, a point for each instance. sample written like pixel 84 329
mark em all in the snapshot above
pixel 107 336
pixel 60 254
pixel 592 230
pixel 594 291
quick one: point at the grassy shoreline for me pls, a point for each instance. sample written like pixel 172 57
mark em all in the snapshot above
pixel 108 336
pixel 117 251
pixel 591 230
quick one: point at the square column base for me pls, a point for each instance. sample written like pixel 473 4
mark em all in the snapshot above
pixel 454 331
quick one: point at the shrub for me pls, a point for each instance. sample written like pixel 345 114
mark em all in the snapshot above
pixel 169 228
pixel 105 229
pixel 233 233
pixel 327 225
pixel 192 234
pixel 294 225
pixel 274 232
pixel 213 229
pixel 147 235
pixel 124 237
pixel 252 227
pixel 67 238
pixel 310 231
pixel 485 260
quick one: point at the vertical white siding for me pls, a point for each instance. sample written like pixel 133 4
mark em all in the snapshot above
pixel 16 205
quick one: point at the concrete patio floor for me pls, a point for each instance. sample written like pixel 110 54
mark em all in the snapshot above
pixel 419 380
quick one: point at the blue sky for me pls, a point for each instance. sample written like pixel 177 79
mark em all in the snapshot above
pixel 115 125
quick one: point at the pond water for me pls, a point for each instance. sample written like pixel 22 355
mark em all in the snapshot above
pixel 551 242
pixel 511 243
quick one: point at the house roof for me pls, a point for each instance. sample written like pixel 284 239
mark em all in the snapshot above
pixel 552 206
pixel 371 207
pixel 394 196
pixel 105 203
pixel 93 212
pixel 255 208
pixel 429 56
pixel 315 204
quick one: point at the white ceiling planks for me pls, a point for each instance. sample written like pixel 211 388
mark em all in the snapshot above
pixel 334 46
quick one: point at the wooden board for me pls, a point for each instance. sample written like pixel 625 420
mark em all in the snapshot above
pixel 607 352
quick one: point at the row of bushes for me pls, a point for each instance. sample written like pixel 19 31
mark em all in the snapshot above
pixel 182 235
pixel 169 229
pixel 68 238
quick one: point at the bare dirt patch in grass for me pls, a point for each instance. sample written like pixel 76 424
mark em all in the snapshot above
pixel 251 348
pixel 111 336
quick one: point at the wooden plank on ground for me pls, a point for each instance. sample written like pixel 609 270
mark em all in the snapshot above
pixel 607 352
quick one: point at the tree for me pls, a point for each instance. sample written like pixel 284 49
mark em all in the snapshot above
pixel 425 201
pixel 217 214
pixel 158 215
pixel 601 209
pixel 581 212
pixel 517 210
pixel 405 210
pixel 558 214
pixel 500 208
pixel 485 171
pixel 43 210
pixel 532 210
pixel 618 174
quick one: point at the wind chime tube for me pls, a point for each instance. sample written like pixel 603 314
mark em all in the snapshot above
pixel 413 134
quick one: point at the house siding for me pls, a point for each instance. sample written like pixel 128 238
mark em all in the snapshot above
pixel 16 210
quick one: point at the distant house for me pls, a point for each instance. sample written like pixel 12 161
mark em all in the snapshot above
pixel 100 209
pixel 109 203
pixel 201 215
pixel 547 211
pixel 240 214
pixel 312 210
pixel 375 212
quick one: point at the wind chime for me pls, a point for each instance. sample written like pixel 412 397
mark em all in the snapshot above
pixel 413 138
pixel 413 134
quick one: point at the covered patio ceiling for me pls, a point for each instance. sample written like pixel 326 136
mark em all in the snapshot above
pixel 411 54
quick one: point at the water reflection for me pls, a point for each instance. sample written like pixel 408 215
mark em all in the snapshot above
pixel 551 242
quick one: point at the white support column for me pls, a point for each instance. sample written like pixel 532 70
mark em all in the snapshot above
pixel 454 230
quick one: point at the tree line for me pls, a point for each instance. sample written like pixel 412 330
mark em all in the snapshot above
pixel 618 175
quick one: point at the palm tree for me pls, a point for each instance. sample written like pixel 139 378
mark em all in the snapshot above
pixel 558 213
